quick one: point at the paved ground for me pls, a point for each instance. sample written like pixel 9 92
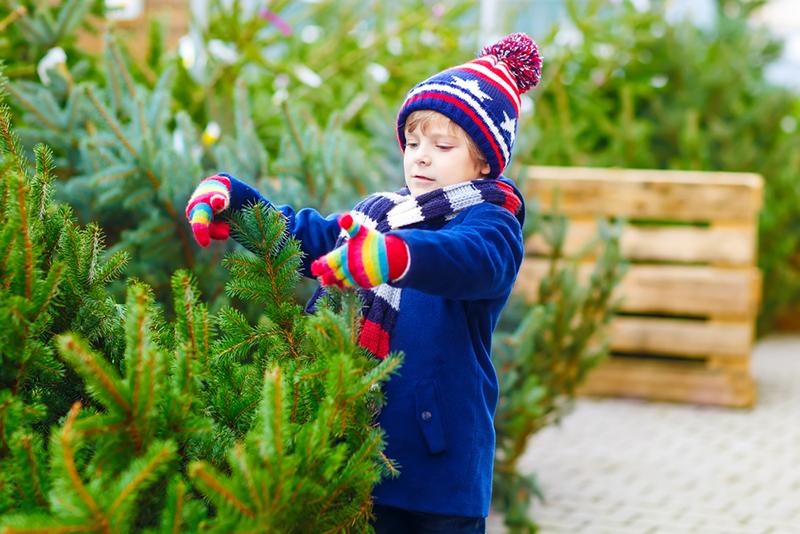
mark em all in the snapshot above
pixel 624 467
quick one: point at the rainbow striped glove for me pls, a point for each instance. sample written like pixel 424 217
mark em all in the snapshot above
pixel 368 259
pixel 212 196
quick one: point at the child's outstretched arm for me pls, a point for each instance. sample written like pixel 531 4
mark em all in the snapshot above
pixel 476 259
pixel 219 195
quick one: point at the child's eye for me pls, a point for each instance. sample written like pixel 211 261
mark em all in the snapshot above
pixel 411 144
pixel 443 147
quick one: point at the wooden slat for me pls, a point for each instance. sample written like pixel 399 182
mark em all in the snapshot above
pixel 631 193
pixel 173 14
pixel 670 381
pixel 720 245
pixel 679 290
pixel 682 337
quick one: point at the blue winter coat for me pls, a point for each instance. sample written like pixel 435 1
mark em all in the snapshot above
pixel 440 408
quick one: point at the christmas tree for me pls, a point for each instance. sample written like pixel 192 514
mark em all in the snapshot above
pixel 543 351
pixel 196 423
pixel 29 30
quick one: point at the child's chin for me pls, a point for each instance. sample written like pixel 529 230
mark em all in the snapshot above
pixel 417 190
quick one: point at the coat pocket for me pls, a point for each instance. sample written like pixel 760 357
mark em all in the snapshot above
pixel 429 415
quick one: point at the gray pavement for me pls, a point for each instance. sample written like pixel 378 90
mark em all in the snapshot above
pixel 618 466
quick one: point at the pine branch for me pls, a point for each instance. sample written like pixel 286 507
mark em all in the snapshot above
pixel 366 451
pixel 70 529
pixel 86 361
pixel 389 465
pixel 144 475
pixel 93 244
pixel 3 443
pixel 25 23
pixel 10 143
pixel 245 410
pixel 4 261
pixel 72 471
pixel 217 486
pixel 137 311
pixel 296 395
pixel 247 341
pixel 379 374
pixel 273 380
pixel 311 186
pixel 70 16
pixel 206 348
pixel 122 67
pixel 44 164
pixel 154 181
pixel 19 11
pixel 116 92
pixel 131 87
pixel 3 174
pixel 184 303
pixel 31 108
pixel 53 281
pixel 27 246
pixel 115 128
pixel 176 522
pixel 111 269
pixel 240 455
pixel 37 486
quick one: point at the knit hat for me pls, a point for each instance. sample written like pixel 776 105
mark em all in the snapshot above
pixel 482 96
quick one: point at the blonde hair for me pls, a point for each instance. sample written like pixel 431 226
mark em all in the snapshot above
pixel 423 118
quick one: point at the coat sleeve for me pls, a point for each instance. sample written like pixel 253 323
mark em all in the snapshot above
pixel 316 234
pixel 478 258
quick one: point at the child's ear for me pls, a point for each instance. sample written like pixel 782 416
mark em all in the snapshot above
pixel 485 169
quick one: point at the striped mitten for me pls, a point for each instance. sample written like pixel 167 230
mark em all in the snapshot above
pixel 212 196
pixel 368 259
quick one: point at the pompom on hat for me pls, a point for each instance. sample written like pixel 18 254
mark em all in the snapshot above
pixel 482 96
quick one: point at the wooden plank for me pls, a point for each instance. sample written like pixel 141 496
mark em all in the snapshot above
pixel 680 337
pixel 672 289
pixel 173 14
pixel 720 245
pixel 670 381
pixel 647 194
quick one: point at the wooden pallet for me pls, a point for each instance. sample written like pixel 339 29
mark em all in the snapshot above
pixel 173 14
pixel 689 300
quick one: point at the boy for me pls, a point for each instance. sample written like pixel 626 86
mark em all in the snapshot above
pixel 435 264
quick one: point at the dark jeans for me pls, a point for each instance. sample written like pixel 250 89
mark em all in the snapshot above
pixel 391 520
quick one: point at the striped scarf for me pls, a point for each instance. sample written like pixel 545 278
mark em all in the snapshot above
pixel 390 211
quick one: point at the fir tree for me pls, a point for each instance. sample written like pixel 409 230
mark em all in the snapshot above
pixel 312 439
pixel 28 29
pixel 132 161
pixel 53 278
pixel 543 352
pixel 171 427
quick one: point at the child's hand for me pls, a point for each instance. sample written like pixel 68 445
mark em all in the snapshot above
pixel 212 196
pixel 368 259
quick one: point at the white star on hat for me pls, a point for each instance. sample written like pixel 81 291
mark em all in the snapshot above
pixel 509 125
pixel 472 86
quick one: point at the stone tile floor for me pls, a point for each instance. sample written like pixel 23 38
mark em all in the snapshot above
pixel 618 466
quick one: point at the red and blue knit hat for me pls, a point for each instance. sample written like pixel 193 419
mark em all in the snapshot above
pixel 482 96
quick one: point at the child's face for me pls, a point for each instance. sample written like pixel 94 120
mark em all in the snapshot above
pixel 438 156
